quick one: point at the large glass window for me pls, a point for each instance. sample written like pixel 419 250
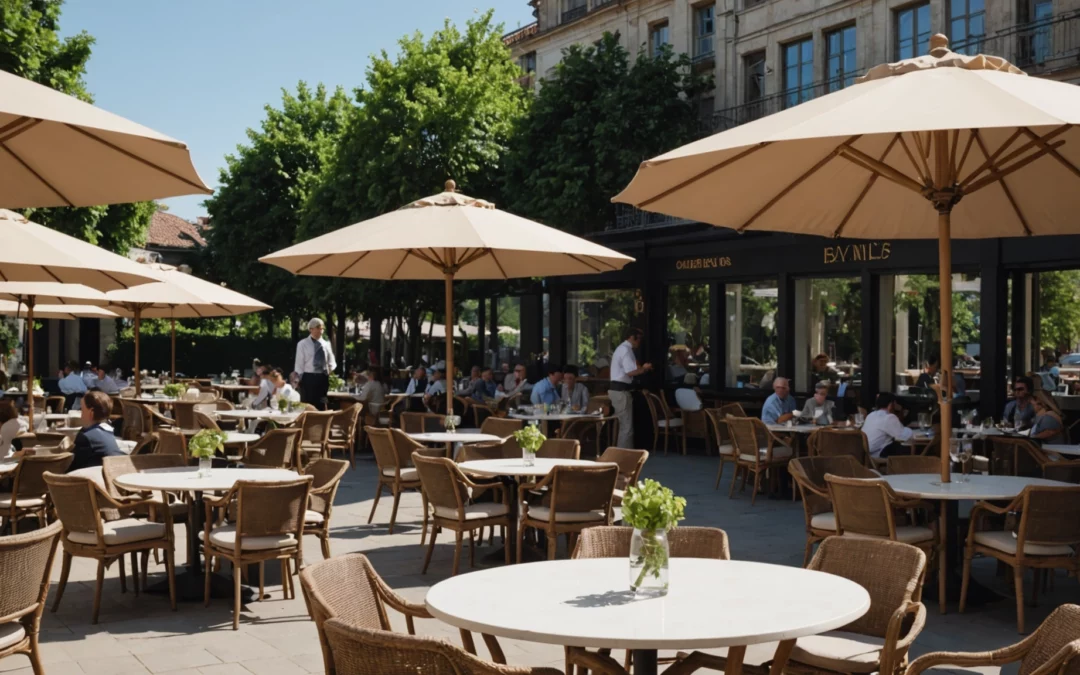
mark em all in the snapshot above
pixel 798 72
pixel 967 26
pixel 687 335
pixel 828 332
pixel 913 31
pixel 750 310
pixel 596 323
pixel 658 37
pixel 509 322
pixel 840 57
pixel 1057 326
pixel 704 30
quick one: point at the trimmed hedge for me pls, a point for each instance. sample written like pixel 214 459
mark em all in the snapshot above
pixel 201 355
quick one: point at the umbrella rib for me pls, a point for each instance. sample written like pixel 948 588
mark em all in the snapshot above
pixel 1005 188
pixel 795 183
pixel 903 144
pixel 19 128
pixel 967 148
pixel 131 155
pixel 426 258
pixel 1053 153
pixel 598 261
pixel 1015 166
pixel 870 164
pixel 353 263
pixel 993 157
pixel 18 121
pixel 703 174
pixel 924 151
pixel 36 174
pixel 112 278
pixel 866 188
pixel 473 257
pixel 403 259
pixel 313 262
pixel 574 257
pixel 498 264
pixel 952 157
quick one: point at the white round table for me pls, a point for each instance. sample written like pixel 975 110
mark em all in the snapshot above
pixel 516 467
pixel 231 437
pixel 794 428
pixel 1072 450
pixel 455 437
pixel 242 414
pixel 711 603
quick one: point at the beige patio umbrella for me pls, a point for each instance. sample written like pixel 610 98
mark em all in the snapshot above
pixel 939 146
pixel 446 236
pixel 178 295
pixel 60 151
pixel 29 294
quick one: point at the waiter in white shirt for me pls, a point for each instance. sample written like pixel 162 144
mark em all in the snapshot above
pixel 624 368
pixel 314 363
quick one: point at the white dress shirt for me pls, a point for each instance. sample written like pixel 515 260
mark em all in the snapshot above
pixel 108 385
pixel 72 384
pixel 436 387
pixel 266 390
pixel 411 389
pixel 373 395
pixel 305 356
pixel 882 428
pixel 623 361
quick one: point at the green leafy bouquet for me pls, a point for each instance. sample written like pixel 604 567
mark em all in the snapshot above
pixel 207 443
pixel 336 383
pixel 174 390
pixel 530 439
pixel 649 507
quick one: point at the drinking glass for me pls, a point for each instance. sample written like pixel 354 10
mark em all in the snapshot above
pixel 1018 422
pixel 966 451
pixel 924 421
pixel 859 419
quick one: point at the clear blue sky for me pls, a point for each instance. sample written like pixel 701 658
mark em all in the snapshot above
pixel 202 70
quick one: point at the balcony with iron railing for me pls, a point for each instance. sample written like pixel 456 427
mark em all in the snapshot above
pixel 573 14
pixel 566 16
pixel 521 34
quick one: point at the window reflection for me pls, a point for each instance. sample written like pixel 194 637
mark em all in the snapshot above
pixel 750 310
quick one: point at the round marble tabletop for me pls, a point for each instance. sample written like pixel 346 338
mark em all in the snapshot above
pixel 516 467
pixel 231 437
pixel 57 417
pixel 588 603
pixel 977 486
pixel 8 466
pixel 186 479
pixel 243 414
pixel 794 428
pixel 551 417
pixel 456 437
pixel 1062 449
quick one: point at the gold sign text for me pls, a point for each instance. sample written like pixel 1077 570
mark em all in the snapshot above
pixel 702 263
pixel 874 250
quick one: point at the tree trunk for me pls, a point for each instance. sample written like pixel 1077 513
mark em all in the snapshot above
pixel 342 337
pixel 375 339
pixel 270 321
pixel 295 326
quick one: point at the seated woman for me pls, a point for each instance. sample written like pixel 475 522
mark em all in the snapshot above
pixel 1047 426
pixel 818 409
pixel 373 393
pixel 97 439
pixel 11 425
pixel 279 387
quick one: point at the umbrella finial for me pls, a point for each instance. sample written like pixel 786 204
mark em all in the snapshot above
pixel 451 186
pixel 939 42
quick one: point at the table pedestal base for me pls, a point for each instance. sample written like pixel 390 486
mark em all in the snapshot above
pixel 645 662
pixel 190 588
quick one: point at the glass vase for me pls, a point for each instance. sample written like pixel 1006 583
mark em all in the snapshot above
pixel 528 458
pixel 204 467
pixel 649 563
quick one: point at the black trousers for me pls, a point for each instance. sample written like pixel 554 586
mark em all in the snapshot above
pixel 895 448
pixel 313 389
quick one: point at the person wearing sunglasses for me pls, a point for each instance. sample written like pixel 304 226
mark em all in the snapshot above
pixel 1021 406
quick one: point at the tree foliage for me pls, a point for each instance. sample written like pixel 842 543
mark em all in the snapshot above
pixel 593 122
pixel 1059 309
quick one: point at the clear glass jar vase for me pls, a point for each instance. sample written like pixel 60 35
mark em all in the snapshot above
pixel 205 464
pixel 528 458
pixel 649 553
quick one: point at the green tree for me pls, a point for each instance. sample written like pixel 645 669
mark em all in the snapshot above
pixel 593 122
pixel 922 294
pixel 1059 309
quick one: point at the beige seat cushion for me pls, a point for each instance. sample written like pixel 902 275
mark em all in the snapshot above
pixel 474 511
pixel 11 633
pixel 409 473
pixel 909 534
pixel 778 452
pixel 23 503
pixel 824 521
pixel 544 513
pixel 225 537
pixel 727 449
pixel 673 423
pixel 1006 543
pixel 313 518
pixel 123 531
pixel 839 652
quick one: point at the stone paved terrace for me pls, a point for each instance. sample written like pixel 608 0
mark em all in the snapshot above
pixel 140 635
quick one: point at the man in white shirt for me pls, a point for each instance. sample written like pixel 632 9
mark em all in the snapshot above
pixel 105 382
pixel 314 363
pixel 624 368
pixel 72 386
pixel 417 383
pixel 89 375
pixel 885 433
pixel 435 388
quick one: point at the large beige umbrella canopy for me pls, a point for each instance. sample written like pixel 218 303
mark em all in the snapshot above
pixel 939 146
pixel 177 295
pixel 56 150
pixel 446 236
pixel 29 294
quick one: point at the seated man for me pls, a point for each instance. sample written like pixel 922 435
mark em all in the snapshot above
pixel 573 392
pixel 547 389
pixel 928 378
pixel 1021 409
pixel 435 388
pixel 418 382
pixel 97 439
pixel 780 406
pixel 106 383
pixel 72 386
pixel 885 433
pixel 515 382
pixel 484 388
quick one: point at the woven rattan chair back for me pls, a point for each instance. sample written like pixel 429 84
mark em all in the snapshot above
pixel 609 541
pixel 421 423
pixel 184 414
pixel 748 434
pixel 501 426
pixel 441 481
pixel 276 449
pixel 899 464
pixel 49 438
pixel 25 563
pixel 356 602
pixel 656 412
pixel 496 450
pixel 1058 630
pixel 271 509
pixel 122 465
pixel 717 421
pixel 224 404
pixel 891 572
pixel 559 448
pixel 833 442
pixel 30 474
pixel 582 488
pixel 630 464
pixel 204 421
pixel 315 426
pixel 170 442
pixel 1014 456
pixel 382 445
pixel 1050 515
pixel 136 420
pixel 76 503
pixel 326 474
pixel 861 505
pixel 345 421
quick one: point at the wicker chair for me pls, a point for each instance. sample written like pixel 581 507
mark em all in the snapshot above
pixel 630 464
pixel 269 525
pixel 205 421
pixel 393 456
pixel 343 432
pixel 757 452
pixel 136 420
pixel 448 492
pixel 1046 538
pixel 590 431
pixel 1052 648
pixel 315 434
pixel 1024 457
pixel 170 442
pixel 56 404
pixel 505 449
pixel 27 561
pixel 277 449
pixel 29 494
pixel 716 418
pixel 663 421
pixel 184 414
pixel 362 651
pixel 809 475
pixel 78 502
pixel 419 423
pixel 578 497
pixel 866 508
pixel 327 474
pixel 501 426
pixel 900 464
pixel 156 420
pixel 832 442
pixel 559 448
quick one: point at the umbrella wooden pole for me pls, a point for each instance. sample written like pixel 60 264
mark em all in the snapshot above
pixel 30 361
pixel 138 374
pixel 945 284
pixel 449 277
pixel 172 323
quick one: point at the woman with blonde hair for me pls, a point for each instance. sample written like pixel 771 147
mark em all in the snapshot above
pixel 1047 426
